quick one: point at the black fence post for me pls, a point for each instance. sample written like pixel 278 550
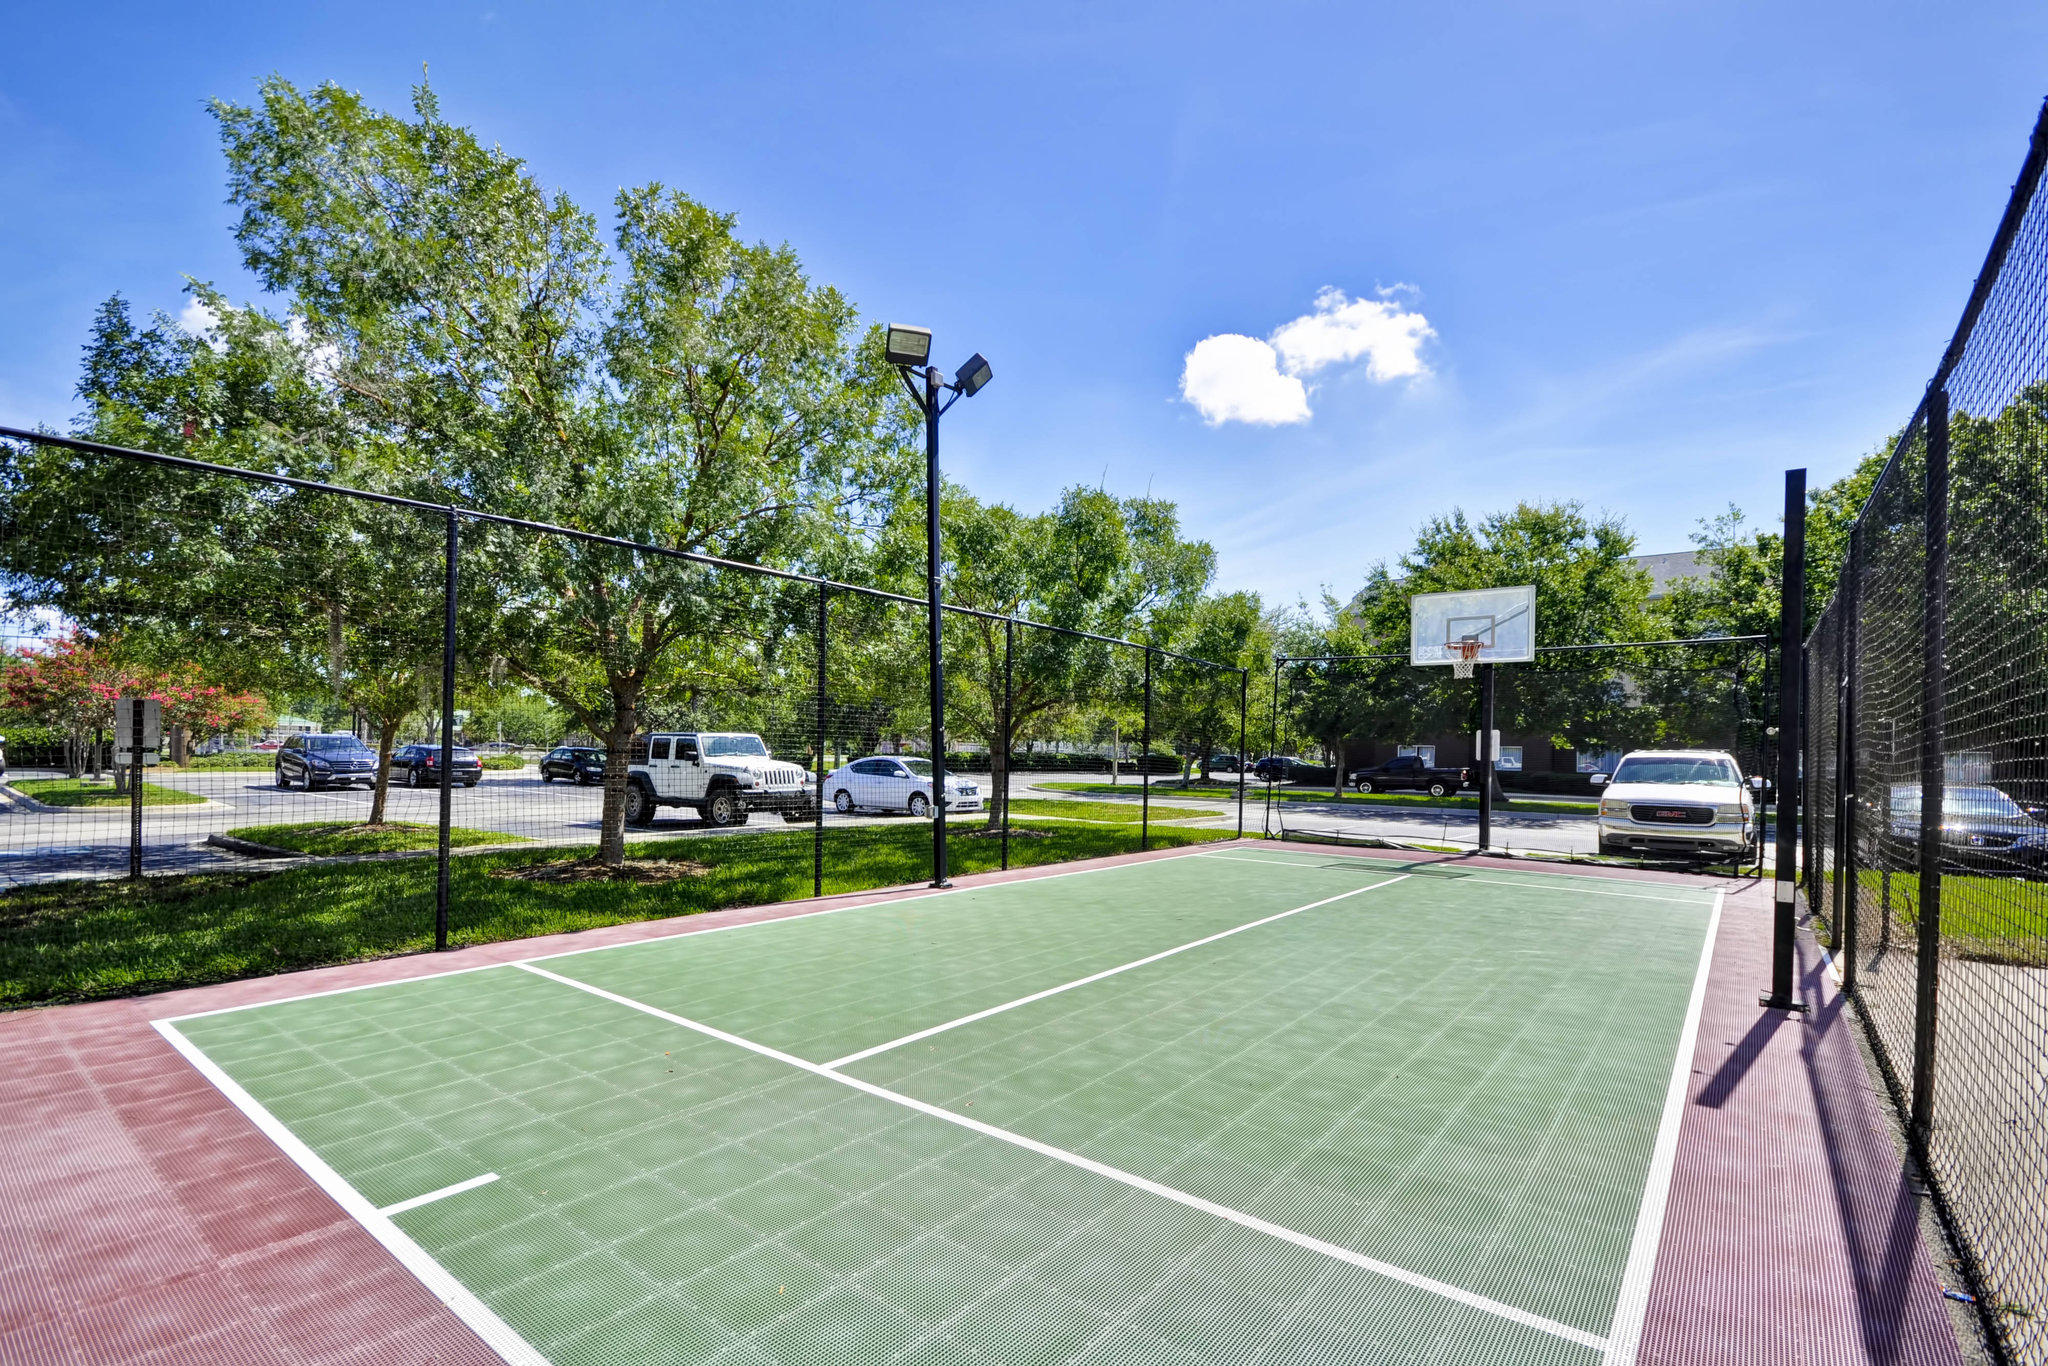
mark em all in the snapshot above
pixel 1273 744
pixel 1933 772
pixel 1244 702
pixel 135 789
pixel 448 588
pixel 1009 735
pixel 1791 610
pixel 1145 764
pixel 1848 910
pixel 818 798
pixel 1486 757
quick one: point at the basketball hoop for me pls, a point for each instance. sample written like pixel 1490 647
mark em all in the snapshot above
pixel 1467 651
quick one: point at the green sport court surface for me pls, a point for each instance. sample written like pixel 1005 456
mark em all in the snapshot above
pixel 1232 1106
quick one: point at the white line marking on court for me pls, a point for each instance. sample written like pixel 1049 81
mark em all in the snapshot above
pixel 922 895
pixel 1194 1202
pixel 442 1194
pixel 1474 877
pixel 1625 1332
pixel 1106 972
pixel 438 1279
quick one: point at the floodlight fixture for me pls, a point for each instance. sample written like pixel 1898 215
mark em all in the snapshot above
pixel 909 345
pixel 972 376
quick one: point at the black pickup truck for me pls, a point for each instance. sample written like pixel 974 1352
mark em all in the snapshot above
pixel 1409 774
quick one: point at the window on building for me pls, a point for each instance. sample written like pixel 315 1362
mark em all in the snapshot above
pixel 1510 760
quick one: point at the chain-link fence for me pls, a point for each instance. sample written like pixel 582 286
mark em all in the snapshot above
pixel 1927 763
pixel 1373 750
pixel 390 725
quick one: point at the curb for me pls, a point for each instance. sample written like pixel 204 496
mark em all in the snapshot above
pixel 12 796
pixel 235 844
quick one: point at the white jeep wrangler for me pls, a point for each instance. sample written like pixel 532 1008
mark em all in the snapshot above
pixel 725 776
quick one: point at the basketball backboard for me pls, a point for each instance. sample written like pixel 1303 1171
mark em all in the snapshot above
pixel 1477 625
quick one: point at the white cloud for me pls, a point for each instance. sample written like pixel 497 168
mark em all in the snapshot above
pixel 197 318
pixel 1234 378
pixel 1386 335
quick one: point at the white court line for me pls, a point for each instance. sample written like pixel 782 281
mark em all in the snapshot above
pixel 1625 1332
pixel 921 895
pixel 1194 1202
pixel 498 1334
pixel 1474 877
pixel 1106 972
pixel 442 1194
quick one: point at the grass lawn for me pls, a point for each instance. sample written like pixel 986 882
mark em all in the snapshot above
pixel 1111 813
pixel 356 838
pixel 86 792
pixel 1992 919
pixel 76 941
pixel 1561 806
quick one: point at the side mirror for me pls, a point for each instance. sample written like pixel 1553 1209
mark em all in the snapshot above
pixel 1757 781
pixel 1597 779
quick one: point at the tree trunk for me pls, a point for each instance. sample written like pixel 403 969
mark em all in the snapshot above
pixel 999 770
pixel 387 736
pixel 618 753
pixel 1337 773
pixel 99 744
pixel 1116 751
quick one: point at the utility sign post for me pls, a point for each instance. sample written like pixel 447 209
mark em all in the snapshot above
pixel 138 736
pixel 131 714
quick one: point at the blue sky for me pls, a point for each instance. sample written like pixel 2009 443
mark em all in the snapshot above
pixel 1644 255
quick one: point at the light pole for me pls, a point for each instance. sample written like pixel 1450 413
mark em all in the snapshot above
pixel 909 349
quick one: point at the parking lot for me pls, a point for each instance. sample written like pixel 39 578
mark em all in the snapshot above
pixel 38 846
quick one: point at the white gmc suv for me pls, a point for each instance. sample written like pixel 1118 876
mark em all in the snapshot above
pixel 724 775
pixel 1677 801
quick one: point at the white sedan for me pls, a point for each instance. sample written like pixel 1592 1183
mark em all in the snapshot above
pixel 885 782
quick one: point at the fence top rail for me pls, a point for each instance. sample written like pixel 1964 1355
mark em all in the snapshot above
pixel 572 533
pixel 1540 649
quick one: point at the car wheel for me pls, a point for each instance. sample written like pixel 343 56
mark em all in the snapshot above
pixel 1438 790
pixel 725 808
pixel 919 805
pixel 412 778
pixel 283 781
pixel 639 805
pixel 1610 847
pixel 472 782
pixel 546 777
pixel 1365 787
pixel 842 802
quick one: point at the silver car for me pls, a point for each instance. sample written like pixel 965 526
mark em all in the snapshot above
pixel 1677 801
pixel 884 782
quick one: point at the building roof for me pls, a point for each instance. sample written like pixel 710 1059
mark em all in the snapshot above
pixel 1673 565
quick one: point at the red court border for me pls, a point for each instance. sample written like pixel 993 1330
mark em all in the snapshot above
pixel 144 1220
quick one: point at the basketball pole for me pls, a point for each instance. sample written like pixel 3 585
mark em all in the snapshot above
pixel 1485 757
pixel 1791 628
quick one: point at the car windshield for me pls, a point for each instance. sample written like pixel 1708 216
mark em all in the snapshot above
pixel 1716 772
pixel 921 767
pixel 747 745
pixel 329 744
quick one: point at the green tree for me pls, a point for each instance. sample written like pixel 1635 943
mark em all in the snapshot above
pixel 1093 564
pixel 1199 708
pixel 684 390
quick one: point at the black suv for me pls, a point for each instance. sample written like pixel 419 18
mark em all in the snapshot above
pixel 310 761
pixel 421 765
pixel 576 764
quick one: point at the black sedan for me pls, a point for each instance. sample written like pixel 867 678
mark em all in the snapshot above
pixel 421 765
pixel 574 764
